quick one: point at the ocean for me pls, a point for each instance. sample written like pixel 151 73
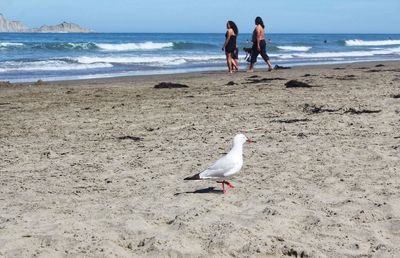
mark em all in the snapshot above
pixel 26 57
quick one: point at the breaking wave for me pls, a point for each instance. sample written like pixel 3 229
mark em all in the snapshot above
pixel 154 46
pixel 163 60
pixel 323 55
pixel 115 47
pixel 48 65
pixel 359 42
pixel 10 45
pixel 294 48
pixel 134 46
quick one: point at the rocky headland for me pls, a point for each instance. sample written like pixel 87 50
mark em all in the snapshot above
pixel 17 26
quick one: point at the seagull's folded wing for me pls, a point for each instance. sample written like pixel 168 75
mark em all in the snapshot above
pixel 218 169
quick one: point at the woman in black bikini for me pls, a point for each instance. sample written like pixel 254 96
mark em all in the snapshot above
pixel 230 44
pixel 259 45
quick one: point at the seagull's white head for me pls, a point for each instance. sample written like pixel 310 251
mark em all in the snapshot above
pixel 241 139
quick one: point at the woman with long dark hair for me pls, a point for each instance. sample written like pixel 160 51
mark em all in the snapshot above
pixel 259 45
pixel 230 45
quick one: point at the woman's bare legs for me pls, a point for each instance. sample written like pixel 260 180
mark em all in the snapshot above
pixel 266 59
pixel 235 64
pixel 251 68
pixel 229 61
pixel 270 68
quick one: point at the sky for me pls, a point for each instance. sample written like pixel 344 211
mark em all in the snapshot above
pixel 198 16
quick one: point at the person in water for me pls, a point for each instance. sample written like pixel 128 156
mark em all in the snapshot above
pixel 259 45
pixel 230 44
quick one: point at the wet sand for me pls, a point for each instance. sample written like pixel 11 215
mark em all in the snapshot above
pixel 95 168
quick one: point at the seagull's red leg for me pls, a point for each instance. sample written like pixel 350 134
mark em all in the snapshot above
pixel 222 185
pixel 229 184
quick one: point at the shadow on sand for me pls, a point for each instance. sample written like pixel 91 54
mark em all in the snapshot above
pixel 203 191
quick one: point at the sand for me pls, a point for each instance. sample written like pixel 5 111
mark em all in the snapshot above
pixel 95 168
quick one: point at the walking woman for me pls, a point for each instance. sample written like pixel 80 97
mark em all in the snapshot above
pixel 259 45
pixel 230 45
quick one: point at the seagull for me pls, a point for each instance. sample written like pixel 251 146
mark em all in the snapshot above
pixel 226 166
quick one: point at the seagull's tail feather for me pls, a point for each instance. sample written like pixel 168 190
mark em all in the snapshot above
pixel 195 177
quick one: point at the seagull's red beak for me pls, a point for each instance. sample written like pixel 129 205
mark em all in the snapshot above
pixel 249 140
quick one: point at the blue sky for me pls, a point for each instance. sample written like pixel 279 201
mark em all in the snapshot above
pixel 286 16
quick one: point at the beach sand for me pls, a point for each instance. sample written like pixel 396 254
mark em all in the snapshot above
pixel 95 168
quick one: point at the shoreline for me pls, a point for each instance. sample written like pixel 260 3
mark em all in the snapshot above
pixel 190 73
pixel 95 168
pixel 71 57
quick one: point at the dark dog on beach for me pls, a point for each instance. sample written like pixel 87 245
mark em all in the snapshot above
pixel 248 51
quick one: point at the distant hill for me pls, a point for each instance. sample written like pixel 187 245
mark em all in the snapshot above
pixel 16 26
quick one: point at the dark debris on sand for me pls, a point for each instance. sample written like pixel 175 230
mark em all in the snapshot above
pixel 151 129
pixel 5 83
pixel 128 137
pixel 291 121
pixel 251 81
pixel 294 253
pixel 279 67
pixel 346 77
pixel 387 70
pixel 297 84
pixel 39 82
pixel 314 109
pixel 170 85
pixel 360 111
pixel 396 96
pixel 231 83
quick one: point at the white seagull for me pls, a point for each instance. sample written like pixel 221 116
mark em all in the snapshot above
pixel 226 166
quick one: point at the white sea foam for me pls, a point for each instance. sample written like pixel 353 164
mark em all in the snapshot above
pixel 49 65
pixel 359 42
pixel 134 46
pixel 10 44
pixel 88 45
pixel 204 58
pixel 322 55
pixel 147 60
pixel 295 48
pixel 125 59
